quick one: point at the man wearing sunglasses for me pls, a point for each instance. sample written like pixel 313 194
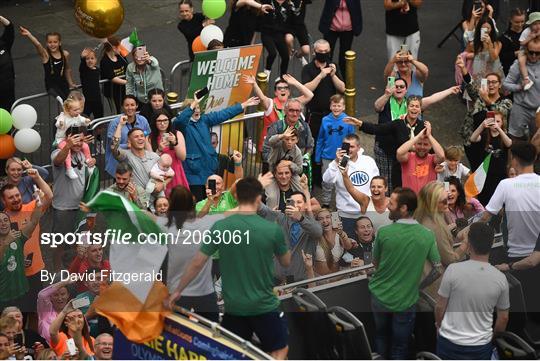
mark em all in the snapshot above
pixel 522 118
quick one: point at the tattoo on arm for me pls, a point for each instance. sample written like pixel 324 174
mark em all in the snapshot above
pixel 435 273
pixel 115 147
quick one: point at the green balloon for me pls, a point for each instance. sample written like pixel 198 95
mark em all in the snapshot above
pixel 214 9
pixel 6 122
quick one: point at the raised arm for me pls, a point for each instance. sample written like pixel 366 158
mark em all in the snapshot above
pixel 115 144
pixel 437 147
pixel 422 71
pixel 476 136
pixel 9 32
pixel 61 156
pixel 389 67
pixel 43 187
pixel 265 101
pixel 402 154
pixel 265 8
pixel 43 55
pixel 358 196
pixel 215 118
pixel 437 97
pixel 306 94
pixel 381 101
pixel 392 5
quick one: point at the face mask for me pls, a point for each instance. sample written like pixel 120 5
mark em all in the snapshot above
pixel 322 57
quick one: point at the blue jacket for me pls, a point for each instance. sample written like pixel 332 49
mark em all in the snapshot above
pixel 330 7
pixel 201 158
pixel 331 134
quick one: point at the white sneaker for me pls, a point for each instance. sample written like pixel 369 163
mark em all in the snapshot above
pixel 267 72
pixel 303 61
pixel 529 85
pixel 71 173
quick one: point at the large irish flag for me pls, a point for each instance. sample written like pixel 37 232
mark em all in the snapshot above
pixel 134 300
pixel 475 182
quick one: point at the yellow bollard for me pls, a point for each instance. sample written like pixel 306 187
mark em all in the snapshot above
pixel 350 90
pixel 262 82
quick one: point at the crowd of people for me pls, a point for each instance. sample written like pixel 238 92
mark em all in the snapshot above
pixel 415 213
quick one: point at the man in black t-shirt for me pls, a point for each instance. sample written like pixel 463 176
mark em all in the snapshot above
pixel 322 78
pixel 402 26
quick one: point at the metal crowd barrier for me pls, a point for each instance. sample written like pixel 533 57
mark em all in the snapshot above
pixel 180 87
pixel 232 134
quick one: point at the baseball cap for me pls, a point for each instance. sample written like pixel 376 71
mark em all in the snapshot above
pixel 533 17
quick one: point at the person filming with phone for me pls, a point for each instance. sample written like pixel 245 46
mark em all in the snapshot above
pixel 218 199
pixel 361 169
pixel 143 74
pixel 490 138
pixel 302 231
pixel 201 158
pixel 404 66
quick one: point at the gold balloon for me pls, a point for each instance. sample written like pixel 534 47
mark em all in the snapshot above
pixel 99 18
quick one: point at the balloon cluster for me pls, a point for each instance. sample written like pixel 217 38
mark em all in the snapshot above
pixel 26 139
pixel 212 9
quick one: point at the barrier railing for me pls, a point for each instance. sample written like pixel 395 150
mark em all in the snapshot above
pixel 232 136
pixel 180 86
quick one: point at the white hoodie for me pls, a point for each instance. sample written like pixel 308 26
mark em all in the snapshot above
pixel 360 173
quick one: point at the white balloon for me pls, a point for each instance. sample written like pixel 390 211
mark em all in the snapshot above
pixel 27 140
pixel 24 116
pixel 209 33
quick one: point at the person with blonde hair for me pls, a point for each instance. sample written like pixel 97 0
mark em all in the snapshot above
pixel 432 206
pixel 332 245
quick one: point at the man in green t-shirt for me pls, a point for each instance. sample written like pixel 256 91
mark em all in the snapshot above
pixel 13 282
pixel 399 254
pixel 247 244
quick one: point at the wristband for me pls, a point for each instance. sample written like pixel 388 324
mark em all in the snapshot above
pixel 237 164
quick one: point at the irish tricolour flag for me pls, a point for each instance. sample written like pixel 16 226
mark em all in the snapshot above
pixel 475 182
pixel 134 300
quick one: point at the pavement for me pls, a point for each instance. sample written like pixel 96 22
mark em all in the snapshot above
pixel 156 22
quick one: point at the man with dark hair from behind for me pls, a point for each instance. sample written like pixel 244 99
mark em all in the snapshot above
pixel 400 251
pixel 520 197
pixel 247 271
pixel 468 295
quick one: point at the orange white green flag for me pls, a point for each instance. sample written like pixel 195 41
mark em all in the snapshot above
pixel 475 182
pixel 134 299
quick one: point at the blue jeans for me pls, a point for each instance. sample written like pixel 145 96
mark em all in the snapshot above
pixel 447 350
pixel 393 330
